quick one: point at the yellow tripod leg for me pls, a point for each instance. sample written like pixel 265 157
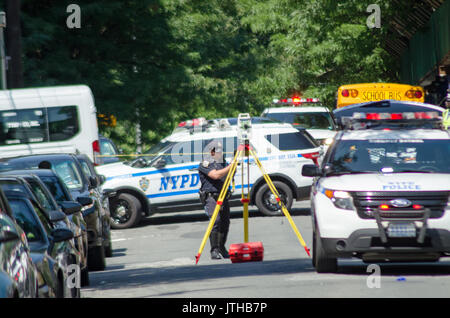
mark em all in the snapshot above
pixel 283 207
pixel 245 200
pixel 245 215
pixel 222 194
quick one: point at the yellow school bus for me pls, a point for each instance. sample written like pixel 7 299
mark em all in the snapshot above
pixel 370 92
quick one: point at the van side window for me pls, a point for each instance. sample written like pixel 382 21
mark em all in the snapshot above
pixel 25 126
pixel 62 122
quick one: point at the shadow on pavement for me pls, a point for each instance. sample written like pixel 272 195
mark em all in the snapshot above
pixel 140 277
pixel 199 216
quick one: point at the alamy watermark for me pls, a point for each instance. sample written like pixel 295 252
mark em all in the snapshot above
pixel 73 21
pixel 73 276
pixel 374 19
pixel 374 279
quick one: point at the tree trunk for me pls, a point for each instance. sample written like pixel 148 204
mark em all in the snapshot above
pixel 14 44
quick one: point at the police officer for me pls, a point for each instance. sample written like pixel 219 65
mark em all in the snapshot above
pixel 446 113
pixel 213 171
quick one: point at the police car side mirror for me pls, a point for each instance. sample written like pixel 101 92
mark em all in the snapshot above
pixel 311 171
pixel 102 179
pixel 160 163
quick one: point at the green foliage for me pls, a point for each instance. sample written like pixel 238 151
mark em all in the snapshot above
pixel 177 59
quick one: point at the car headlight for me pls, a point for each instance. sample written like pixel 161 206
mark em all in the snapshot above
pixel 340 199
pixel 328 141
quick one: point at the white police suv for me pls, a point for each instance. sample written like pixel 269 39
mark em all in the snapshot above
pixel 166 179
pixel 308 113
pixel 382 192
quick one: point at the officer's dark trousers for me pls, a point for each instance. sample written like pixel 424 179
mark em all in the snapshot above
pixel 222 223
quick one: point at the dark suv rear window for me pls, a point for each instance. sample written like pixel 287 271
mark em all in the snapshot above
pixel 292 141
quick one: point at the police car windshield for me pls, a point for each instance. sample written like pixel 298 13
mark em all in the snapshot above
pixel 309 120
pixel 155 150
pixel 391 155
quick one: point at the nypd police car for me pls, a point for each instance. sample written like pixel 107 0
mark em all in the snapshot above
pixel 166 179
pixel 308 113
pixel 382 191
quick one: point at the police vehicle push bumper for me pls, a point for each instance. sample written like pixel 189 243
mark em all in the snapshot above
pixel 408 235
pixel 380 225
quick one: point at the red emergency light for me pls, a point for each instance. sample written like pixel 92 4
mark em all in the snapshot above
pixel 396 116
pixel 413 94
pixel 295 101
pixel 347 92
pixel 192 123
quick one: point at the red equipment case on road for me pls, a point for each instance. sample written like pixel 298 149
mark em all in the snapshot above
pixel 246 252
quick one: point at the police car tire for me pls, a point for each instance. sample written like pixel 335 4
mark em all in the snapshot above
pixel 322 262
pixel 135 208
pixel 283 189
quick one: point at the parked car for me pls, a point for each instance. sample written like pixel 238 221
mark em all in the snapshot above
pixel 69 169
pixel 47 186
pixel 18 274
pixel 309 113
pixel 102 195
pixel 47 241
pixel 35 190
pixel 108 150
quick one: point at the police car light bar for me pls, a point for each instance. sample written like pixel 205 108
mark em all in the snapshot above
pixel 361 120
pixel 295 101
pixel 193 123
pixel 396 116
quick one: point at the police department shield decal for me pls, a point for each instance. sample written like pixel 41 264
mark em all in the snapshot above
pixel 144 183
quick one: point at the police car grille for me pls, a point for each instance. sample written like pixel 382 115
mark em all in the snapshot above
pixel 367 202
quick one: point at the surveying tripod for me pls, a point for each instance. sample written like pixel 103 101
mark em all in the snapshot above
pixel 245 149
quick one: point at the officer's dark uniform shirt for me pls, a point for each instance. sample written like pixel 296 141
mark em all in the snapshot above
pixel 208 184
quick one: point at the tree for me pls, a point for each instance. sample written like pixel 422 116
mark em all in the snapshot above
pixel 14 44
pixel 173 60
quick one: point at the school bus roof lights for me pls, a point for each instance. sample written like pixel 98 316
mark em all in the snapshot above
pixel 413 94
pixel 350 92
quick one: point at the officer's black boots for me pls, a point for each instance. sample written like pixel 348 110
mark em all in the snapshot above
pixel 218 250
pixel 214 241
pixel 222 241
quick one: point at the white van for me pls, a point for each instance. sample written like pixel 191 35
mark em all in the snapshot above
pixel 58 119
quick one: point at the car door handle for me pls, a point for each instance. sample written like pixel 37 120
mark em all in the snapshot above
pixel 193 169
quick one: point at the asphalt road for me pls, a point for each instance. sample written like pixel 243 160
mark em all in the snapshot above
pixel 157 260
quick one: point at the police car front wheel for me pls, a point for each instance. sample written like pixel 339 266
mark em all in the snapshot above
pixel 266 201
pixel 125 211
